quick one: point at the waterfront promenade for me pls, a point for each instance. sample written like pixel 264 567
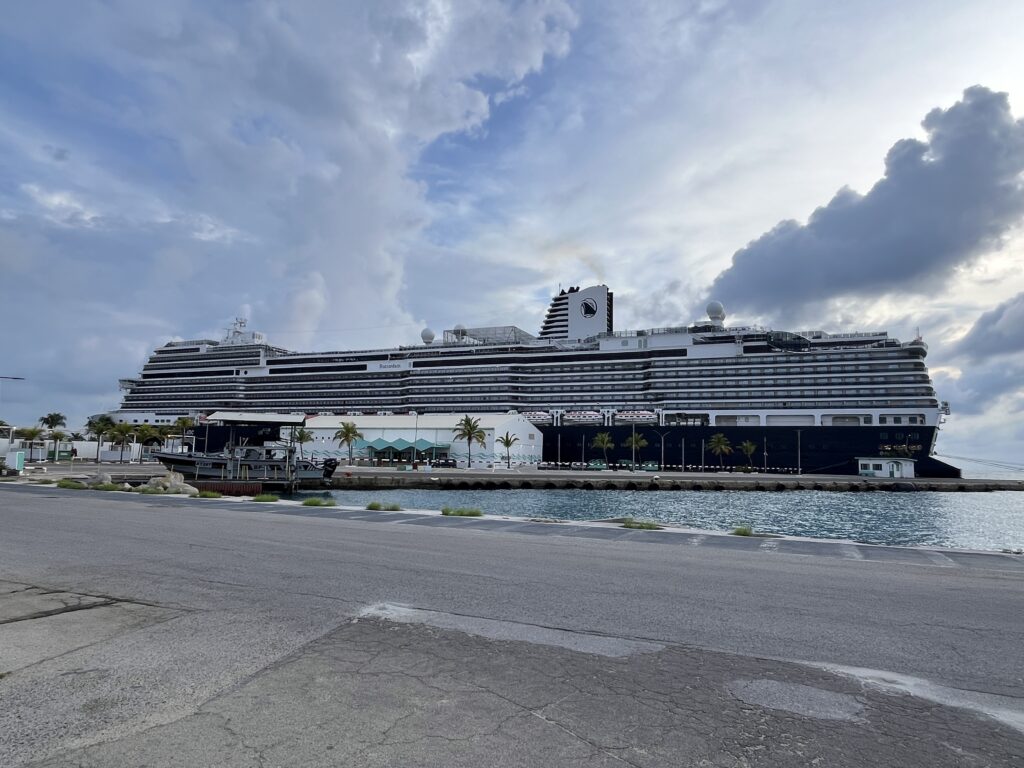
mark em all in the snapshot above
pixel 368 478
pixel 529 477
pixel 167 631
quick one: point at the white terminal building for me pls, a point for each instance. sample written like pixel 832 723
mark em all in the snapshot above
pixel 405 438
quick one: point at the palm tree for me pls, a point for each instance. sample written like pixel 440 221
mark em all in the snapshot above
pixel 119 433
pixel 720 446
pixel 635 442
pixel 748 449
pixel 603 442
pixel 347 435
pixel 73 435
pixel 506 441
pixel 57 435
pixel 32 435
pixel 467 428
pixel 303 435
pixel 53 420
pixel 99 426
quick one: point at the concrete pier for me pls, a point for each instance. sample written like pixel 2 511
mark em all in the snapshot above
pixel 365 478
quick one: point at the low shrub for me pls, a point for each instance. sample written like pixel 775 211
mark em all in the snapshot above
pixel 643 525
pixel 106 487
pixel 149 490
pixel 392 508
pixel 461 512
pixel 375 506
pixel 71 484
pixel 210 494
pixel 266 497
pixel 318 501
pixel 742 530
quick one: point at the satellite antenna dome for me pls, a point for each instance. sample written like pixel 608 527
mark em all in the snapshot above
pixel 427 335
pixel 716 312
pixel 460 330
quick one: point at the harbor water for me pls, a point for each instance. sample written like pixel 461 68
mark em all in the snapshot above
pixel 991 521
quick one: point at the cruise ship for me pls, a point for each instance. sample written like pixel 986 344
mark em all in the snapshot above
pixel 808 400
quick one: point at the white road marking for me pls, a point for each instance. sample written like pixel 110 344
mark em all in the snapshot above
pixel 696 541
pixel 851 552
pixel 770 546
pixel 1008 710
pixel 940 559
pixel 494 629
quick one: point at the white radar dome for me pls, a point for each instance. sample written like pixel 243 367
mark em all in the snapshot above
pixel 716 311
pixel 427 335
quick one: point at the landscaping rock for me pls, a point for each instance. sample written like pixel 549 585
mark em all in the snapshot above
pixel 172 482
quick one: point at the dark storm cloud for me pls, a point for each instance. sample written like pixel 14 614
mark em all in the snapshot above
pixel 1000 331
pixel 979 387
pixel 942 202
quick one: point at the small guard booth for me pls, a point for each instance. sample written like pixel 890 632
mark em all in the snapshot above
pixel 885 466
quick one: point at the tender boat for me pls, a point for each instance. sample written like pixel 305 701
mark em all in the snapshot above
pixel 247 463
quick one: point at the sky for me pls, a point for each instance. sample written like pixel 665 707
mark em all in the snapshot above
pixel 343 174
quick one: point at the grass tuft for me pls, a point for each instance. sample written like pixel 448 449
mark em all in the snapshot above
pixel 266 497
pixel 642 525
pixel 149 490
pixel 742 530
pixel 73 485
pixel 210 494
pixel 375 506
pixel 392 508
pixel 461 512
pixel 318 501
pixel 106 487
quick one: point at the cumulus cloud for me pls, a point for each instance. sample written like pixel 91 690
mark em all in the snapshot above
pixel 61 207
pixel 200 157
pixel 997 333
pixel 941 203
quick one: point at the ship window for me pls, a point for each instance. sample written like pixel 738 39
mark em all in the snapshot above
pixel 897 419
pixel 877 467
pixel 867 419
pixel 881 419
pixel 864 465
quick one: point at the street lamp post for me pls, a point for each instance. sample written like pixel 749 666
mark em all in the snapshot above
pixel 662 435
pixel 415 433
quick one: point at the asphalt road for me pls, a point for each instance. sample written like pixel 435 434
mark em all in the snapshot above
pixel 210 593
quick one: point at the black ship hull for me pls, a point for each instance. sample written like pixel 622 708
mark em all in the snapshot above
pixel 808 450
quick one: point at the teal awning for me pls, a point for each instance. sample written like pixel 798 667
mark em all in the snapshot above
pixel 400 444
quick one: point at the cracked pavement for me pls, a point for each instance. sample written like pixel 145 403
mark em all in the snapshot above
pixel 150 632
pixel 376 693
